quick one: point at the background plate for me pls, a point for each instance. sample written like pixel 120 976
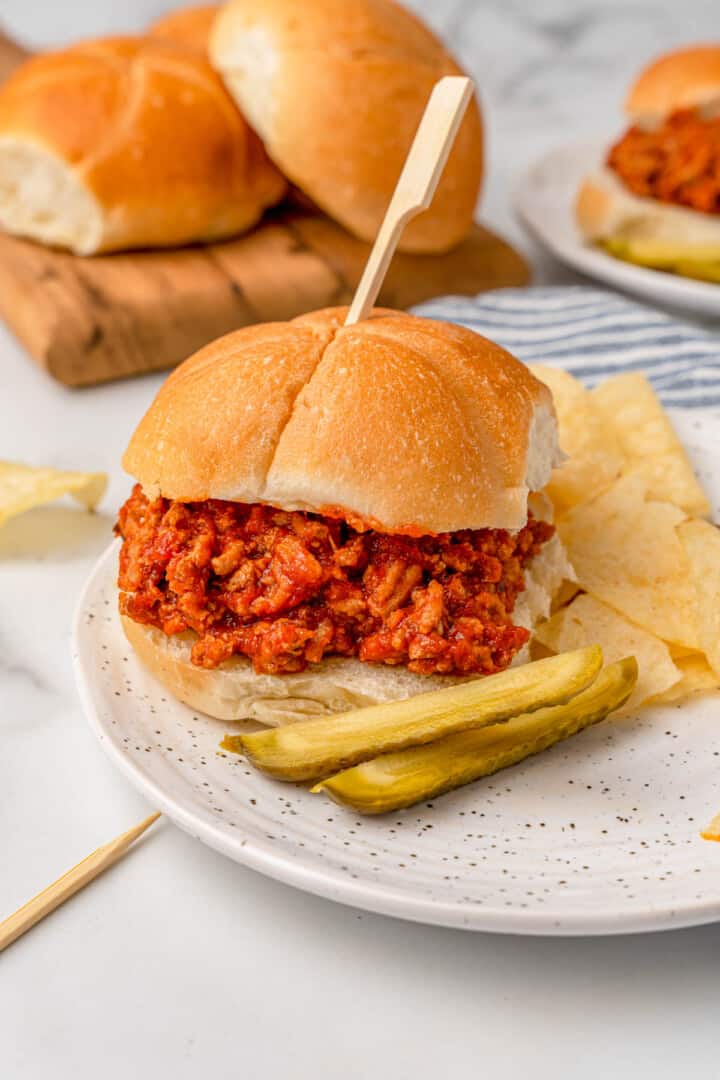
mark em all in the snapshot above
pixel 598 835
pixel 544 203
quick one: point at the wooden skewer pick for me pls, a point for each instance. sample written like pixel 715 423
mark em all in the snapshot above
pixel 70 883
pixel 415 188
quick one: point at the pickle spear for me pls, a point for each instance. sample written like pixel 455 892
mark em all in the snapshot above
pixel 314 749
pixel 422 772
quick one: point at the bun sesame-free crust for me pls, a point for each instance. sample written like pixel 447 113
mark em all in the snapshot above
pixel 336 92
pixel 408 424
pixel 127 142
pixel 191 26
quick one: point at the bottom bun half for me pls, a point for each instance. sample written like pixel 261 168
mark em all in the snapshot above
pixel 646 231
pixel 233 691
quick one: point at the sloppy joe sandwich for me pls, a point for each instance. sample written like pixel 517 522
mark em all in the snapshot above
pixel 331 516
pixel 656 200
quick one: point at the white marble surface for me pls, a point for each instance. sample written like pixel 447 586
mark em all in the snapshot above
pixel 179 963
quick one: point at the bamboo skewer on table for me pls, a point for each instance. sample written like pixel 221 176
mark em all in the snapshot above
pixel 71 882
pixel 413 194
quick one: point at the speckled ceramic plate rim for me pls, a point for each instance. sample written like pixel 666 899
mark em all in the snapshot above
pixel 379 899
pixel 569 247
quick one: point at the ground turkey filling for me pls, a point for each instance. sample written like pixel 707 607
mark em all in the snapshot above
pixel 287 589
pixel 678 163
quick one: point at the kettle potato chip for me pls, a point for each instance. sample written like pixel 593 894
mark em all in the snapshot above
pixel 588 620
pixel 627 404
pixel 23 487
pixel 712 832
pixel 627 553
pixel 594 455
pixel 618 427
pixel 696 676
pixel 648 578
pixel 701 542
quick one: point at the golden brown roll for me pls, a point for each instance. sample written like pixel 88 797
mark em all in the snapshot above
pixel 418 425
pixel 190 26
pixel 127 142
pixel 683 79
pixel 336 92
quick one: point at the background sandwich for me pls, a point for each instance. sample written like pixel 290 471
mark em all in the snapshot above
pixel 332 516
pixel 656 201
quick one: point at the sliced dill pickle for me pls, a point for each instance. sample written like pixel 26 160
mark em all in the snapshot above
pixel 313 749
pixel 700 271
pixel 422 772
pixel 702 264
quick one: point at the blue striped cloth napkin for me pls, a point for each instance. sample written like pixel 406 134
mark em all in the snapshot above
pixel 593 334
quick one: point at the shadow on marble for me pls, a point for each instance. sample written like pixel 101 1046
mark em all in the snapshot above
pixel 55 532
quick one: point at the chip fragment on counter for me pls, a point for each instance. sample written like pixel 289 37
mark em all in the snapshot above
pixel 23 487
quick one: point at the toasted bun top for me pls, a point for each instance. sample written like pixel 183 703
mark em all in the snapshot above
pixel 188 25
pixel 685 79
pixel 336 92
pixel 146 126
pixel 408 424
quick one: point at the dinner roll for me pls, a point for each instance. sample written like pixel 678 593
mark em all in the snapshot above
pixel 191 26
pixel 127 142
pixel 336 92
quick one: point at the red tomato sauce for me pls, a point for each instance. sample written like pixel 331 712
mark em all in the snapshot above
pixel 677 163
pixel 289 588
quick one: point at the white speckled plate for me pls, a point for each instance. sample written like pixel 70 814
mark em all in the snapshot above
pixel 544 202
pixel 598 835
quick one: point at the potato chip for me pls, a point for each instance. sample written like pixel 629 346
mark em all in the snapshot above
pixel 701 543
pixel 626 552
pixel 22 487
pixel 588 621
pixel 564 595
pixel 540 506
pixel 712 832
pixel 679 652
pixel 622 503
pixel 569 394
pixel 696 676
pixel 627 403
pixel 595 456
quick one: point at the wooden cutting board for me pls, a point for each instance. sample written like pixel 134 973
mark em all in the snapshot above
pixel 89 320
